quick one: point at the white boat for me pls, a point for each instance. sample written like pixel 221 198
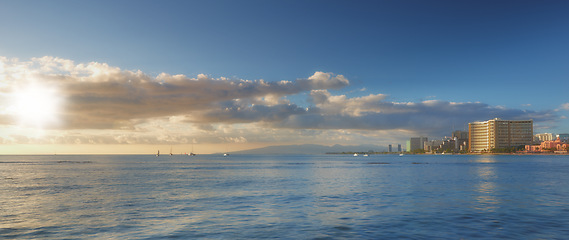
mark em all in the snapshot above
pixel 355 154
pixel 401 154
pixel 158 154
pixel 365 155
pixel 226 154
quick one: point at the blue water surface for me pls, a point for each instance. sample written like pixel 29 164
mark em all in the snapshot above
pixel 286 197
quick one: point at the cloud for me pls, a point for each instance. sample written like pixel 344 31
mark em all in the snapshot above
pixel 99 96
pixel 322 80
pixel 133 107
pixel 565 106
pixel 372 112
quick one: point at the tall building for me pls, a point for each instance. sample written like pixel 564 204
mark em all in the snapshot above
pixel 545 137
pixel 416 143
pixel 498 133
pixel 430 146
pixel 460 140
pixel 399 147
pixel 389 147
pixel 460 135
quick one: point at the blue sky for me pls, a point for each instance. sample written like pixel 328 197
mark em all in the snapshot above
pixel 509 55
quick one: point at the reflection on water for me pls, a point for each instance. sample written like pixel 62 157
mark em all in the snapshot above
pixel 291 197
pixel 485 159
pixel 486 186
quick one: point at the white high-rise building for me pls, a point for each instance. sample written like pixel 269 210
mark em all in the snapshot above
pixel 545 137
pixel 497 133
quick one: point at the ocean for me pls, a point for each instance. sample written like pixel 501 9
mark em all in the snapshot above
pixel 284 197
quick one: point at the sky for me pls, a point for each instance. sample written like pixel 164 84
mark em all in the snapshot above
pixel 212 76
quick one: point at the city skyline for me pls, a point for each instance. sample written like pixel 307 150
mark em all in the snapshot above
pixel 137 76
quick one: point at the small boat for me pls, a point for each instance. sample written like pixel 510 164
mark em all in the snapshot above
pixel 355 154
pixel 192 152
pixel 158 154
pixel 226 154
pixel 365 155
pixel 401 154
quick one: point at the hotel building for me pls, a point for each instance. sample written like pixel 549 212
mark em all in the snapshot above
pixel 541 137
pixel 416 143
pixel 498 133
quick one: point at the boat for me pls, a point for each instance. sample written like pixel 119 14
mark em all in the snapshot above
pixel 226 154
pixel 158 154
pixel 401 154
pixel 192 152
pixel 365 155
pixel 355 154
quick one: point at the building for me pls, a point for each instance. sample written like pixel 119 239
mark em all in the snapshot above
pixel 432 146
pixel 498 134
pixel 416 143
pixel 389 147
pixel 460 140
pixel 540 137
pixel 399 147
pixel 460 135
pixel 549 146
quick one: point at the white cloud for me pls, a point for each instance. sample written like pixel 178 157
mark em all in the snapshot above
pixel 322 80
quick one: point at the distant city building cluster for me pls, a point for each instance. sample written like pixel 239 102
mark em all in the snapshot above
pixel 495 135
pixel 458 142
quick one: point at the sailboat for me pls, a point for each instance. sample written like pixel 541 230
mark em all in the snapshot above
pixel 158 154
pixel 171 151
pixel 192 152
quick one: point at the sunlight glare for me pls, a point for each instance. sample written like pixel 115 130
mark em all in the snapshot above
pixel 36 105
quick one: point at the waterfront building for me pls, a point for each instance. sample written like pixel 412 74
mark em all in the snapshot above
pixel 389 147
pixel 549 146
pixel 498 133
pixel 416 143
pixel 398 147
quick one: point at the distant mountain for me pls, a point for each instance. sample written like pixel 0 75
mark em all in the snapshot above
pixel 311 149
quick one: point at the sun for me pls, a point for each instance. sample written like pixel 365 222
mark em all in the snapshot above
pixel 36 105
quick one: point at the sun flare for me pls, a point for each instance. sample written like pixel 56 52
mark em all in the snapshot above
pixel 36 105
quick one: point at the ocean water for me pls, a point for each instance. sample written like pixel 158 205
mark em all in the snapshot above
pixel 285 197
